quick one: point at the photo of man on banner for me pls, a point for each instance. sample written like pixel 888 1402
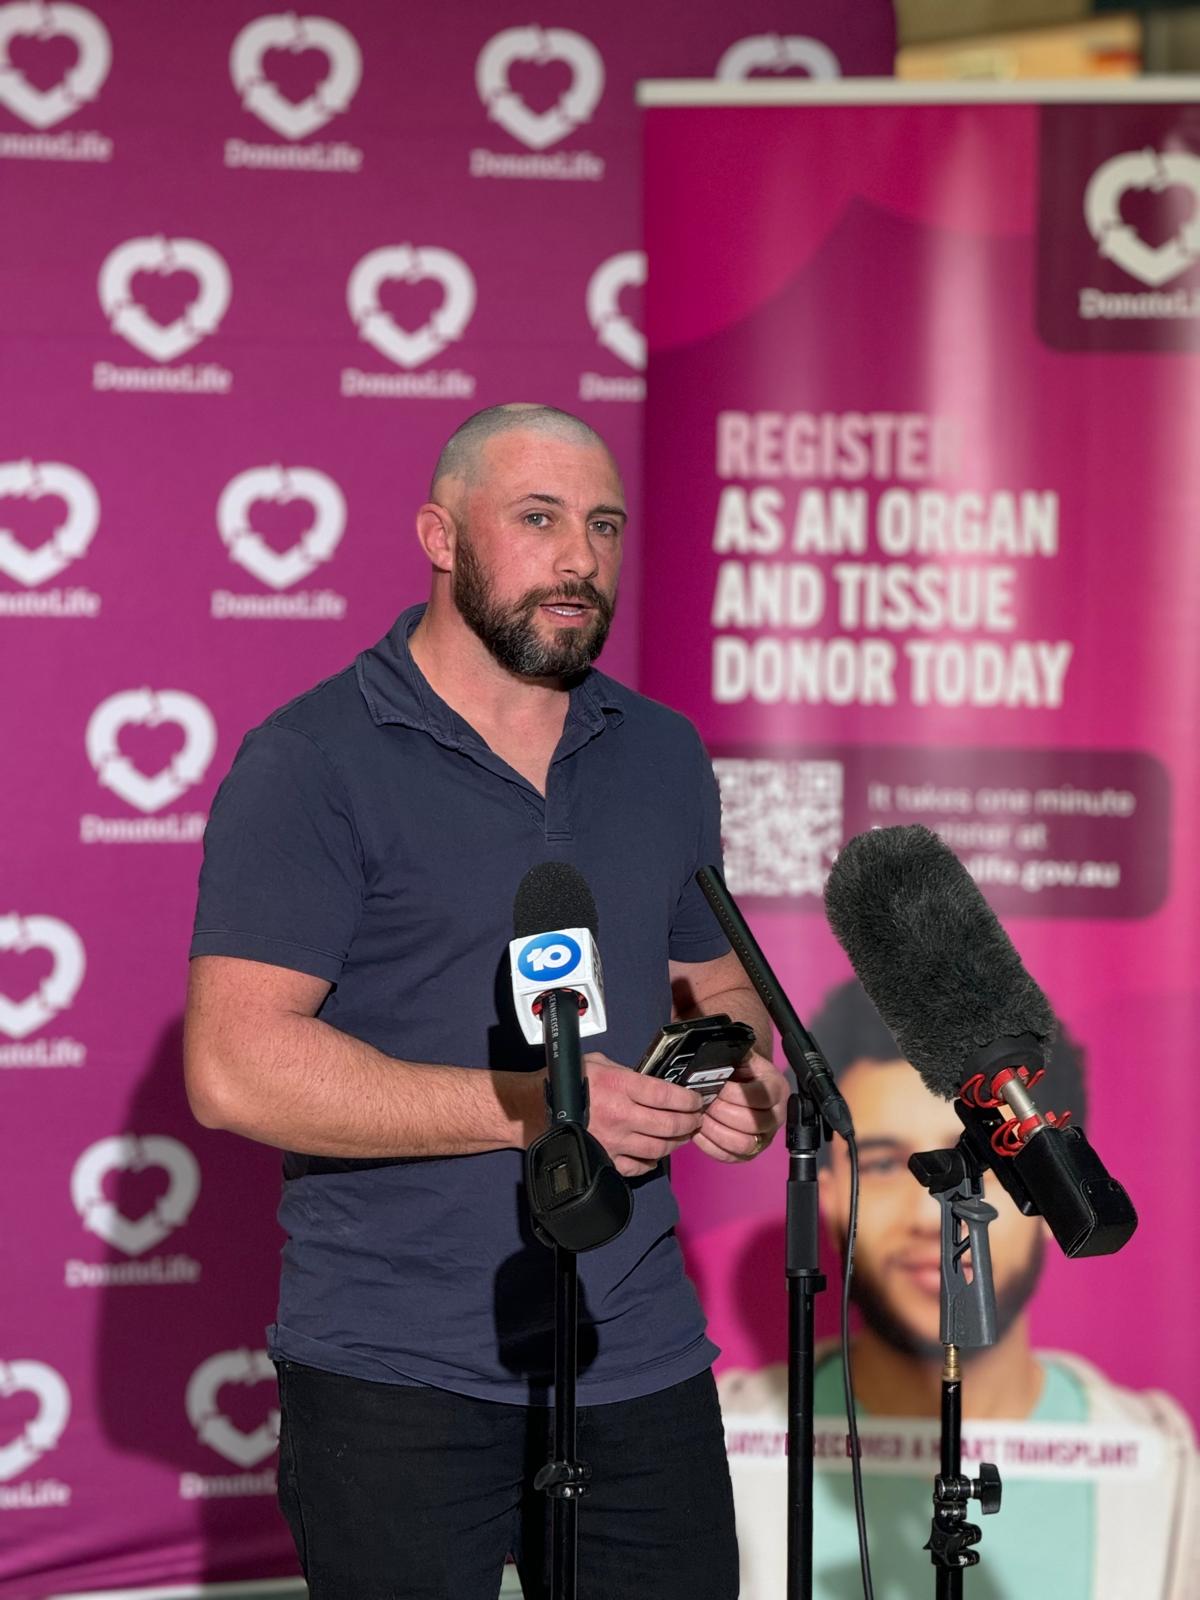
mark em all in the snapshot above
pixel 1100 1482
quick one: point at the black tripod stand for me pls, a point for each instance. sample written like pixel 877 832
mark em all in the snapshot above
pixel 968 1321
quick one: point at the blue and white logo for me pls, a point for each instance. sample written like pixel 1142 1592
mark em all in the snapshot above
pixel 550 956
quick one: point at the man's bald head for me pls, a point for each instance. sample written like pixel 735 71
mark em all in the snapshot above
pixel 461 459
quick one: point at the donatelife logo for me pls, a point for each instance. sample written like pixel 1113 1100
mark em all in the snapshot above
pixel 55 993
pixel 1118 227
pixel 538 47
pixel 148 708
pixel 549 956
pixel 246 1368
pixel 80 84
pixel 134 1236
pixel 1156 171
pixel 404 263
pixel 295 119
pixel 281 569
pixel 165 256
pixel 164 342
pixel 614 329
pixel 31 481
pixel 39 1435
pixel 771 52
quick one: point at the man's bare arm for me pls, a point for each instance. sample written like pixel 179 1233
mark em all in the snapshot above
pixel 705 988
pixel 259 1062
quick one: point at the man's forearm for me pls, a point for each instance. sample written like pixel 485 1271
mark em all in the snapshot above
pixel 299 1084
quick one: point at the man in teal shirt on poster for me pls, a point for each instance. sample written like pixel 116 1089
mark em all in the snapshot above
pixel 1100 1484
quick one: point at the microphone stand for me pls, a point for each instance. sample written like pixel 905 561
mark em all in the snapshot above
pixel 578 1201
pixel 814 1108
pixel 968 1321
pixel 804 1281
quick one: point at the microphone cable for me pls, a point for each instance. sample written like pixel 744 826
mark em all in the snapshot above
pixel 860 1512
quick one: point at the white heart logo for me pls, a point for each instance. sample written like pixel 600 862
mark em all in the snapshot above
pixel 613 329
pixel 280 569
pixel 290 32
pixel 42 108
pixel 215 1429
pixel 129 319
pixel 148 708
pixel 127 1153
pixel 411 265
pixel 538 129
pixel 1155 170
pixel 30 480
pixel 771 52
pixel 58 990
pixel 45 1429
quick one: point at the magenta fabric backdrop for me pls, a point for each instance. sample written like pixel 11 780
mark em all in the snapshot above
pixel 1019 282
pixel 256 268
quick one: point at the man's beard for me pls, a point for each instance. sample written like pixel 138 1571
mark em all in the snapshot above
pixel 886 1325
pixel 509 632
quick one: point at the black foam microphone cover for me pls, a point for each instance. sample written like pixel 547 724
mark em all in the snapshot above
pixel 553 895
pixel 929 951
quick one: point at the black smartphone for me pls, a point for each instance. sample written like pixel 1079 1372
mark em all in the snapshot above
pixel 699 1054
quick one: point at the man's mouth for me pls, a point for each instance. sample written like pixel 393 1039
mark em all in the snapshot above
pixel 567 610
pixel 922 1271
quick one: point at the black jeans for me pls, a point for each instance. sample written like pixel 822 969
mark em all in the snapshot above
pixel 398 1493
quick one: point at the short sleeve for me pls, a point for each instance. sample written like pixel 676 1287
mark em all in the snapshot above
pixel 695 932
pixel 282 879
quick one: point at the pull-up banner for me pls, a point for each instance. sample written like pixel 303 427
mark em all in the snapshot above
pixel 922 476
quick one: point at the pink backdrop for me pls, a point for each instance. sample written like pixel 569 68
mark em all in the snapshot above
pixel 256 269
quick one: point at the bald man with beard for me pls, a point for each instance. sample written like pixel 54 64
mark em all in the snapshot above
pixel 348 1004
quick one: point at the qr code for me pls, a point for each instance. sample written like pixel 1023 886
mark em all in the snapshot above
pixel 781 824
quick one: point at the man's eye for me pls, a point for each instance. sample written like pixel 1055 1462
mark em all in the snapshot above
pixel 607 528
pixel 537 519
pixel 879 1166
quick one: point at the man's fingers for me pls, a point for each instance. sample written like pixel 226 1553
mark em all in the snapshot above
pixel 645 1090
pixel 739 1118
pixel 661 1095
pixel 761 1093
pixel 638 1120
pixel 724 1144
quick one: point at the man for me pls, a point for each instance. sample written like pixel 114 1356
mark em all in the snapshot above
pixel 1076 1535
pixel 348 1004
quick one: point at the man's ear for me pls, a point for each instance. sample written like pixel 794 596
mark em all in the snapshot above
pixel 438 533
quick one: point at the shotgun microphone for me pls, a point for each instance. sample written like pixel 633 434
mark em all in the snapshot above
pixel 947 981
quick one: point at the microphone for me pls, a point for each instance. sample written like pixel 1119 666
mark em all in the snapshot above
pixel 577 1197
pixel 949 984
pixel 554 923
pixel 799 1046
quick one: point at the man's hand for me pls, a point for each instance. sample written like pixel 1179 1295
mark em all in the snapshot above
pixel 747 1114
pixel 638 1119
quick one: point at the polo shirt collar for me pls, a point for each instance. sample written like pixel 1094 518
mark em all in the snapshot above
pixel 396 691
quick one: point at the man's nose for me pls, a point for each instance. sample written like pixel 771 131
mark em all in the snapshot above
pixel 576 554
pixel 924 1211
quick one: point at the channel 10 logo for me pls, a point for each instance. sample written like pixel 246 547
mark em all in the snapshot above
pixel 549 955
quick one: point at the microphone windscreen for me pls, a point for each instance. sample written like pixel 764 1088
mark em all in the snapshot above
pixel 553 895
pixel 929 951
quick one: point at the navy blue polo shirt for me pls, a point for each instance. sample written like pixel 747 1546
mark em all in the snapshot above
pixel 367 835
